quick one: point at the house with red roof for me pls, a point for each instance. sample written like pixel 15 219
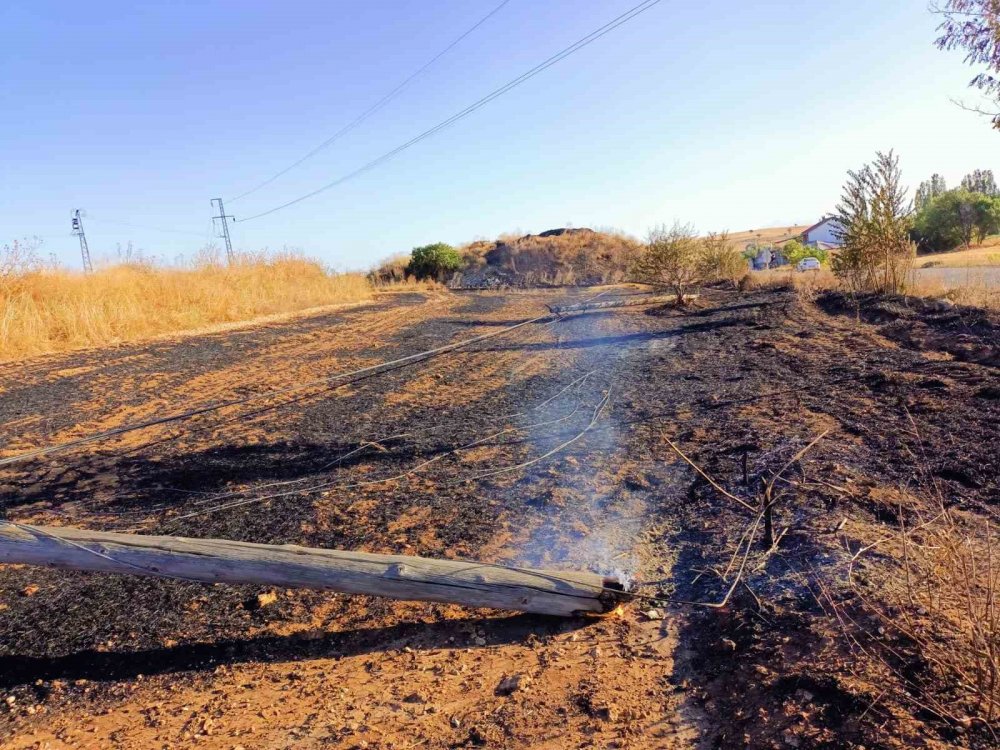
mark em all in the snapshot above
pixel 824 234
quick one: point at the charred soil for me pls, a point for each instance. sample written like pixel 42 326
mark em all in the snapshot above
pixel 550 446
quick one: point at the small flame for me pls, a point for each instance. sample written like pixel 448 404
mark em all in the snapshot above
pixel 618 611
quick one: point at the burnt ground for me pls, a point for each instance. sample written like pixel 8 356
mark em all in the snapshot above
pixel 906 394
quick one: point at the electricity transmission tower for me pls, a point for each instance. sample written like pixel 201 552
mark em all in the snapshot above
pixel 78 231
pixel 225 229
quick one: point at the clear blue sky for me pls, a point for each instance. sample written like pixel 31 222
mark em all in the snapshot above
pixel 727 114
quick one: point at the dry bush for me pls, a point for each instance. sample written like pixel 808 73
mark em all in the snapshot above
pixel 976 290
pixel 922 603
pixel 719 259
pixel 928 615
pixel 392 270
pixel 474 253
pixel 771 279
pixel 410 284
pixel 390 276
pixel 52 310
pixel 677 258
pixel 209 256
pixel 18 259
pixel 671 258
pixel 580 257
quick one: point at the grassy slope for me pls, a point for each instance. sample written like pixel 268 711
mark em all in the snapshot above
pixel 47 311
pixel 768 234
pixel 987 254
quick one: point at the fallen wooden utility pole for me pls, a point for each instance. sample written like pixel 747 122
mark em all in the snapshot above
pixel 662 299
pixel 288 566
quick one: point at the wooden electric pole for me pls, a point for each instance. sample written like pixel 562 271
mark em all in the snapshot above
pixel 288 566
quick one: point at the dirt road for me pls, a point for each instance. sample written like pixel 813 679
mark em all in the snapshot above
pixel 505 452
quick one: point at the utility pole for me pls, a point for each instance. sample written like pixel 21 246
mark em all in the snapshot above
pixel 225 229
pixel 78 231
pixel 565 593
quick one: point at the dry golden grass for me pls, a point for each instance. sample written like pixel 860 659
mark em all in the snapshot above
pixel 942 596
pixel 807 281
pixel 53 310
pixel 987 254
pixel 392 270
pixel 928 592
pixel 767 235
pixel 407 284
pixel 974 290
pixel 577 257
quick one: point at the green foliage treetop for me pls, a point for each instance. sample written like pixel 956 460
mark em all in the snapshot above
pixel 957 218
pixel 433 261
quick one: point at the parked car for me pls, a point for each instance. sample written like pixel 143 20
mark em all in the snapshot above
pixel 808 264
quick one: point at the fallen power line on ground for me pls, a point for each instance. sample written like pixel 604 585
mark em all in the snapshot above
pixel 663 299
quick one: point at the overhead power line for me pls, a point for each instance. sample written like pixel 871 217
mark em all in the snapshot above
pixel 375 107
pixel 150 229
pixel 575 47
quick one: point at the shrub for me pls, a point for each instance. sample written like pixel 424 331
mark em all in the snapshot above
pixel 671 258
pixel 390 271
pixel 719 259
pixel 677 258
pixel 433 261
pixel 17 259
pixel 930 595
pixel 876 253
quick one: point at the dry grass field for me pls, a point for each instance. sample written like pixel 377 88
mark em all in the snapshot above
pixel 44 310
pixel 867 425
pixel 972 286
pixel 776 235
pixel 987 254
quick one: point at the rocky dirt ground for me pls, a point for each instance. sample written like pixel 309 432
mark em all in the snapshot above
pixel 740 384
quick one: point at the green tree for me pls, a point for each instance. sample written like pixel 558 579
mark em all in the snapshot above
pixel 981 181
pixel 957 218
pixel 433 261
pixel 874 217
pixel 986 216
pixel 794 251
pixel 929 190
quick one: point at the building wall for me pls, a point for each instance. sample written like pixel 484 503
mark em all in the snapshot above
pixel 824 233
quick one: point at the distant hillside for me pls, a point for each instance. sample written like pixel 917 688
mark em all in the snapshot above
pixel 776 235
pixel 558 257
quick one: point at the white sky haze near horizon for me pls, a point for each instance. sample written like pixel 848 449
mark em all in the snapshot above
pixel 714 113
